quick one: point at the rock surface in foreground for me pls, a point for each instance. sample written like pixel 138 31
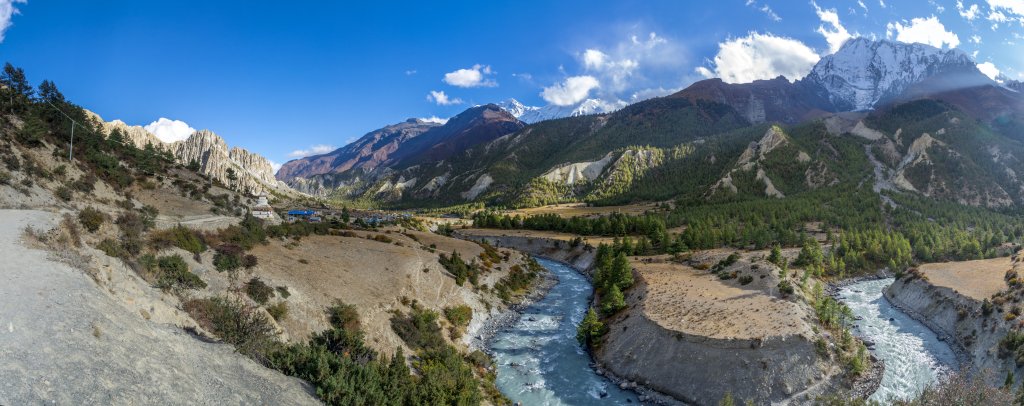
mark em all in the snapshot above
pixel 63 341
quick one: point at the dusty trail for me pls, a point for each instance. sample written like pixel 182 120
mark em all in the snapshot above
pixel 64 341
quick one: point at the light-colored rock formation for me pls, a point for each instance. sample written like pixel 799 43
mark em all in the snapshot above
pixel 481 185
pixel 572 173
pixel 135 134
pixel 252 173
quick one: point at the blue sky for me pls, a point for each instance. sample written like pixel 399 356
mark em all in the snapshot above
pixel 280 78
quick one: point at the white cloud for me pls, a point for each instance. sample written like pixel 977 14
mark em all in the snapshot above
pixel 766 9
pixel 923 31
pixel 573 90
pixel 274 166
pixel 7 10
pixel 438 96
pixel 968 13
pixel 594 59
pixel 168 130
pixel 976 39
pixel 435 119
pixel 761 56
pixel 644 94
pixel 1014 7
pixel 472 77
pixel 862 5
pixel 881 3
pixel 989 69
pixel 615 72
pixel 998 17
pixel 705 72
pixel 313 150
pixel 836 35
pixel 410 72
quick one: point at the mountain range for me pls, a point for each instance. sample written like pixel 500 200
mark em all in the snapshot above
pixel 927 118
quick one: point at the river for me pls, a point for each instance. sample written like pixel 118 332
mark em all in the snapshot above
pixel 914 357
pixel 540 362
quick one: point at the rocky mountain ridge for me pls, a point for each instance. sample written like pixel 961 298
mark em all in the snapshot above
pixel 253 174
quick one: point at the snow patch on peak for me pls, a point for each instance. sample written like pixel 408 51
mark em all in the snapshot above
pixel 533 114
pixel 864 72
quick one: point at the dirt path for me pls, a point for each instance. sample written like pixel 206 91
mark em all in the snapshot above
pixel 63 341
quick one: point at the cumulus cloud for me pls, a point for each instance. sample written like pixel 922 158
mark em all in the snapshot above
pixel 438 96
pixel 989 69
pixel 644 94
pixel 976 39
pixel 836 34
pixel 573 90
pixel 761 56
pixel 313 150
pixel 968 13
pixel 168 130
pixel 471 77
pixel 1012 7
pixel 274 166
pixel 7 10
pixel 435 119
pixel 923 31
pixel 630 64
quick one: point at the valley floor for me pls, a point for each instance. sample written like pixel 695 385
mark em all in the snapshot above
pixel 64 341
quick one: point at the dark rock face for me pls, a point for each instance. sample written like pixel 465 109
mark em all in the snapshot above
pixel 366 153
pixel 407 143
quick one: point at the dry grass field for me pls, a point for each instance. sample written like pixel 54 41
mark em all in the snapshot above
pixel 978 279
pixel 684 299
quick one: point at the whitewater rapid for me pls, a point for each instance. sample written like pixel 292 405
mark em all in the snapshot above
pixel 539 360
pixel 914 357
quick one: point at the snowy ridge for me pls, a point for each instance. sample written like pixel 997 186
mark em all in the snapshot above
pixel 533 114
pixel 864 72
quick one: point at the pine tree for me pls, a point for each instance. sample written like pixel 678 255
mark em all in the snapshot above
pixel 613 301
pixel 590 329
pixel 622 273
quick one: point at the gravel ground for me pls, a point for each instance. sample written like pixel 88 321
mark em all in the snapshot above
pixel 63 341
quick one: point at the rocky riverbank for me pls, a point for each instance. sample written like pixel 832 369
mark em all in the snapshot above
pixel 480 339
pixel 959 321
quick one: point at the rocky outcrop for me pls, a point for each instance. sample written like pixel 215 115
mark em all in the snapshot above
pixel 239 169
pixel 134 134
pixel 572 173
pixel 959 321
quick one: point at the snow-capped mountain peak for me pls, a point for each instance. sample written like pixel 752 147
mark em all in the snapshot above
pixel 533 114
pixel 864 72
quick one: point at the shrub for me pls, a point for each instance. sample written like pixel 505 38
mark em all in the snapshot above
pixel 785 288
pixel 178 236
pixel 418 328
pixel 343 316
pixel 91 218
pixel 249 261
pixel 258 290
pixel 278 311
pixel 227 258
pixel 459 316
pixel 283 292
pixel 111 248
pixel 746 279
pixel 63 193
pixel 172 273
pixel 235 323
